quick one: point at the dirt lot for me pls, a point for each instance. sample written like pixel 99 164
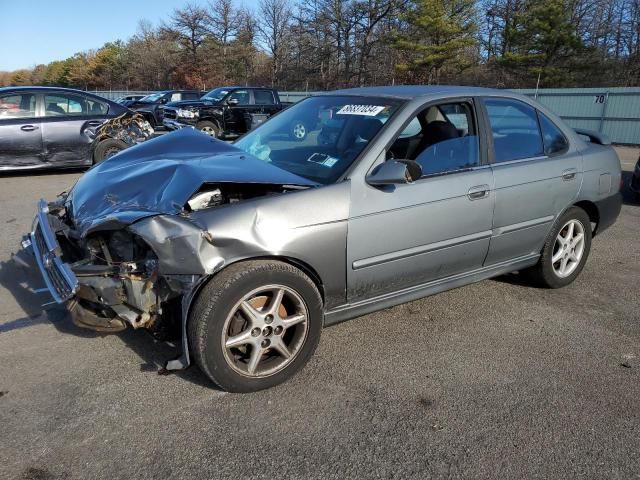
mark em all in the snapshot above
pixel 492 380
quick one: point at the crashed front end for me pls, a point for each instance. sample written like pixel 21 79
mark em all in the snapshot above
pixel 128 245
pixel 108 280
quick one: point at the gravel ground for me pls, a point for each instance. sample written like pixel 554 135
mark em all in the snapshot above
pixel 493 380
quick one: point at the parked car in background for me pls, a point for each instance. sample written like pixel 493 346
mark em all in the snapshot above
pixel 47 127
pixel 120 133
pixel 151 106
pixel 249 249
pixel 128 99
pixel 226 112
pixel 634 185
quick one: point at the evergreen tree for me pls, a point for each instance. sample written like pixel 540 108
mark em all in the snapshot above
pixel 543 41
pixel 440 35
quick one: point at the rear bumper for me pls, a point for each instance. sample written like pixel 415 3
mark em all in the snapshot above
pixel 608 210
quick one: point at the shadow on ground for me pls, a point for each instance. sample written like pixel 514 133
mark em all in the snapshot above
pixel 628 197
pixel 22 283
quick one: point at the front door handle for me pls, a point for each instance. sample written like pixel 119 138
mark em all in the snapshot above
pixel 569 174
pixel 28 128
pixel 478 192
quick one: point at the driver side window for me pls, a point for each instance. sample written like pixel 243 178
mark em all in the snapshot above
pixel 241 95
pixel 441 139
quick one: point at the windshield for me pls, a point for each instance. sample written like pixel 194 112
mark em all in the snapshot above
pixel 215 95
pixel 319 137
pixel 154 97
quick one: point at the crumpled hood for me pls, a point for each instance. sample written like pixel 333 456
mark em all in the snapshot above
pixel 159 176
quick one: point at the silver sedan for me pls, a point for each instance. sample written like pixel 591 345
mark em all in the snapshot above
pixel 246 251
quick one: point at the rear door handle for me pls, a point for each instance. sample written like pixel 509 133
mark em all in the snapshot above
pixel 569 174
pixel 28 128
pixel 478 192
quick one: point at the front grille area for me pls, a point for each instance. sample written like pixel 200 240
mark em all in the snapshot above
pixel 60 280
pixel 170 114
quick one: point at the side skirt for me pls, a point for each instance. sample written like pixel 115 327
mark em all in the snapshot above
pixel 349 311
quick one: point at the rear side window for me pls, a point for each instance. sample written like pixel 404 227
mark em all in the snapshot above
pixel 190 96
pixel 71 105
pixel 516 134
pixel 264 97
pixel 22 105
pixel 554 141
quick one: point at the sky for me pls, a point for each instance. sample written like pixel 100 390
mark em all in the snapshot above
pixel 40 31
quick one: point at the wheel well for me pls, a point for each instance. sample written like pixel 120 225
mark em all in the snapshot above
pixel 303 266
pixel 149 117
pixel 592 211
pixel 209 119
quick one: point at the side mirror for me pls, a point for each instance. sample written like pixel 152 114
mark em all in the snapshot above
pixel 394 172
pixel 164 100
pixel 233 101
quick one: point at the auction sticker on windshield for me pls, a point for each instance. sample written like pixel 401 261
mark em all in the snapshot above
pixel 366 110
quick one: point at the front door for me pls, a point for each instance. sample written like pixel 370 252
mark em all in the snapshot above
pixel 436 227
pixel 536 177
pixel 238 102
pixel 20 132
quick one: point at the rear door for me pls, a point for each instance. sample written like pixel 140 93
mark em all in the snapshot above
pixel 20 130
pixel 265 101
pixel 68 121
pixel 536 177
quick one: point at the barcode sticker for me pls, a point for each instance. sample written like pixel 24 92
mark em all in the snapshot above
pixel 365 110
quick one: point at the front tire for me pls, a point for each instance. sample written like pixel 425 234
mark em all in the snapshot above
pixel 108 148
pixel 565 251
pixel 208 128
pixel 255 325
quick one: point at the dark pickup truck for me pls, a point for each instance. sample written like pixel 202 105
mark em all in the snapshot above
pixel 226 112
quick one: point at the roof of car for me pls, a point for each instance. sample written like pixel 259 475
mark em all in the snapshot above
pixel 412 91
pixel 33 87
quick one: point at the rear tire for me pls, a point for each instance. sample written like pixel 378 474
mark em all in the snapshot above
pixel 244 335
pixel 208 128
pixel 565 250
pixel 108 148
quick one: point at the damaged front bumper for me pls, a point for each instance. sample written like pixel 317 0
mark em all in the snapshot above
pixel 41 242
pixel 104 298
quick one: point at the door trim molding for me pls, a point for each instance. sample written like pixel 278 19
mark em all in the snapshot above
pixel 413 251
pixel 522 225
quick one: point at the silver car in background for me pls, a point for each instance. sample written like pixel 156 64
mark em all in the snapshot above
pixel 247 251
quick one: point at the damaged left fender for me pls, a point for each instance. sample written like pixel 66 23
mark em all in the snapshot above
pixel 307 228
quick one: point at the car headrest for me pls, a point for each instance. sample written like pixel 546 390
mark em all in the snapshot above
pixel 439 131
pixel 55 108
pixel 368 128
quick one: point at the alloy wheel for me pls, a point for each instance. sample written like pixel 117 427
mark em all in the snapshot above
pixel 568 249
pixel 209 131
pixel 265 331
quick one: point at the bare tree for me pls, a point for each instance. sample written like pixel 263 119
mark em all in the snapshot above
pixel 273 30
